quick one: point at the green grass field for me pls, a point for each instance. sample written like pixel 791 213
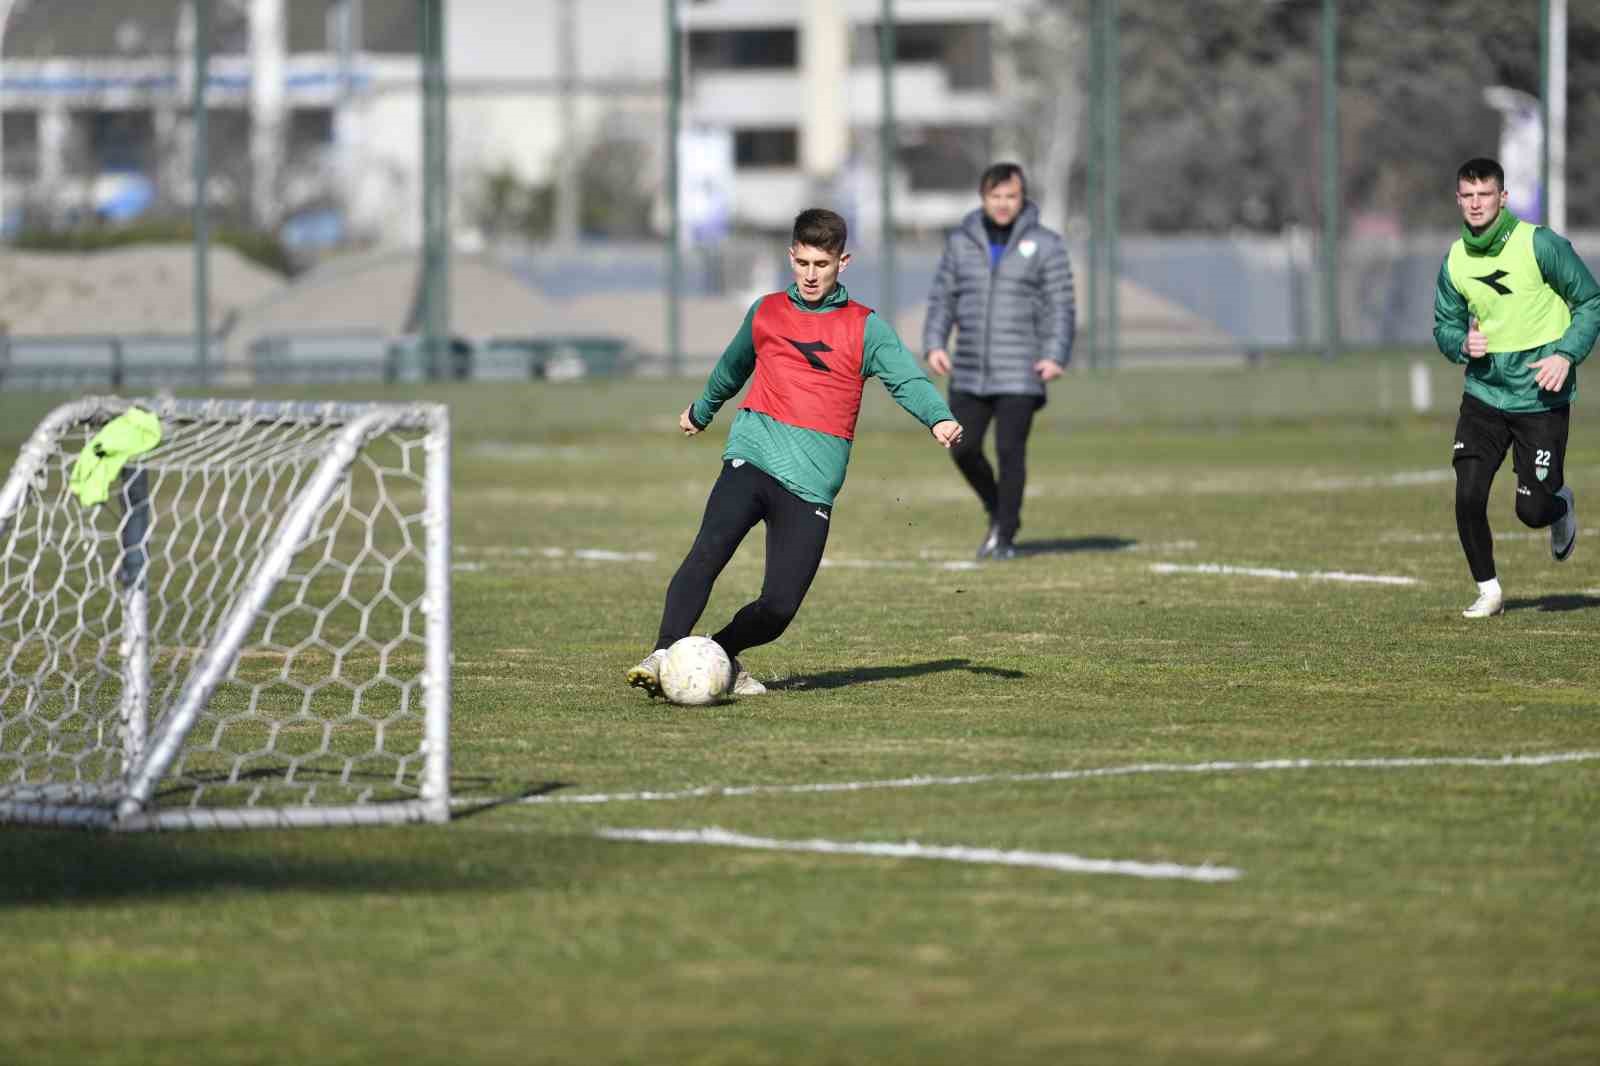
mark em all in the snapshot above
pixel 1385 910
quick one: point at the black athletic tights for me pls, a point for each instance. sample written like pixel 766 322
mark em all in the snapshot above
pixel 797 531
pixel 1538 443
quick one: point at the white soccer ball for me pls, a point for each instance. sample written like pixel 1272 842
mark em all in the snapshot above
pixel 695 672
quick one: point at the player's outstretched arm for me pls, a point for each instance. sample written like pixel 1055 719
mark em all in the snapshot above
pixel 738 362
pixel 893 364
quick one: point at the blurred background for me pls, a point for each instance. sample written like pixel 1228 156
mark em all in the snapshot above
pixel 302 191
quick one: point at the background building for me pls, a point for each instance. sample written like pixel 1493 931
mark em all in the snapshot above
pixel 314 108
pixel 558 123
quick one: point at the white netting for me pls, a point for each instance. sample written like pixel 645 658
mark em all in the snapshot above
pixel 322 696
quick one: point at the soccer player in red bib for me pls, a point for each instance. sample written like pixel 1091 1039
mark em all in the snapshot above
pixel 811 350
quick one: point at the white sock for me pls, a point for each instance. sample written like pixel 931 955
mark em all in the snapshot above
pixel 1492 585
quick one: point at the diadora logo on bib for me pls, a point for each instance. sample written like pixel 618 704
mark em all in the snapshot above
pixel 809 349
pixel 1493 281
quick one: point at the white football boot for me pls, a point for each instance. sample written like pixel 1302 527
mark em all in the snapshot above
pixel 647 675
pixel 1564 530
pixel 744 684
pixel 1488 604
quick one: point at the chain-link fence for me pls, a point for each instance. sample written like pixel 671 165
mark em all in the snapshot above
pixel 308 147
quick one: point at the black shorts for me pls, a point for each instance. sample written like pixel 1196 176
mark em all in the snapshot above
pixel 1537 439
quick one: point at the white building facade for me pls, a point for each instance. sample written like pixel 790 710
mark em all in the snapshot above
pixel 316 104
pixel 800 87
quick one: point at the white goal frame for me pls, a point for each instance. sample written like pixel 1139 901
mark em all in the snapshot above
pixel 103 709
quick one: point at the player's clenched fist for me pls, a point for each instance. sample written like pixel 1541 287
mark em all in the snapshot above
pixel 1477 344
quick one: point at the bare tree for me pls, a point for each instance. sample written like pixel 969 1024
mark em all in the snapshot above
pixel 1041 51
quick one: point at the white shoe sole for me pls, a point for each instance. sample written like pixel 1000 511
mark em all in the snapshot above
pixel 641 677
pixel 749 686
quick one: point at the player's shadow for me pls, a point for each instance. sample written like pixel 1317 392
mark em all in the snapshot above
pixel 1071 545
pixel 1573 601
pixel 867 674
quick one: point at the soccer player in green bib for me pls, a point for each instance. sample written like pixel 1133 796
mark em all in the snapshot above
pixel 807 353
pixel 1518 308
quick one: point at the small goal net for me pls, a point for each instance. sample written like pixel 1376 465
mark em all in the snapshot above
pixel 252 629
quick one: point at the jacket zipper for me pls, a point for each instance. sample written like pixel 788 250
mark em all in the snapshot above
pixel 988 314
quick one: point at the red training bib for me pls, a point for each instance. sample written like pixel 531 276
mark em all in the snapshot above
pixel 808 365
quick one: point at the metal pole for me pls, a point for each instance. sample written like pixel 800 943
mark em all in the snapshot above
pixel 1544 111
pixel 886 152
pixel 1555 141
pixel 436 617
pixel 567 193
pixel 1113 149
pixel 202 178
pixel 1093 180
pixel 5 16
pixel 269 111
pixel 1330 178
pixel 674 253
pixel 435 193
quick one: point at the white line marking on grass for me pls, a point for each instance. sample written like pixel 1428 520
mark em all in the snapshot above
pixel 1453 538
pixel 1265 765
pixel 1282 575
pixel 1169 546
pixel 898 564
pixel 1400 479
pixel 602 555
pixel 1046 860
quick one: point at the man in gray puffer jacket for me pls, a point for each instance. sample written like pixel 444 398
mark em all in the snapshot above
pixel 1005 283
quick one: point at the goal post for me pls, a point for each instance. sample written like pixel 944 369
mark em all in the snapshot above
pixel 252 631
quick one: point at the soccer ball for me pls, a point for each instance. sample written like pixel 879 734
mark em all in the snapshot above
pixel 695 672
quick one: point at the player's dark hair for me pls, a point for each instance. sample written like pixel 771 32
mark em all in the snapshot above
pixel 1481 168
pixel 1000 173
pixel 820 228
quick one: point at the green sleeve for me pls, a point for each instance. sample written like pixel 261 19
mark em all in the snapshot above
pixel 1450 316
pixel 1566 273
pixel 893 364
pixel 738 362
